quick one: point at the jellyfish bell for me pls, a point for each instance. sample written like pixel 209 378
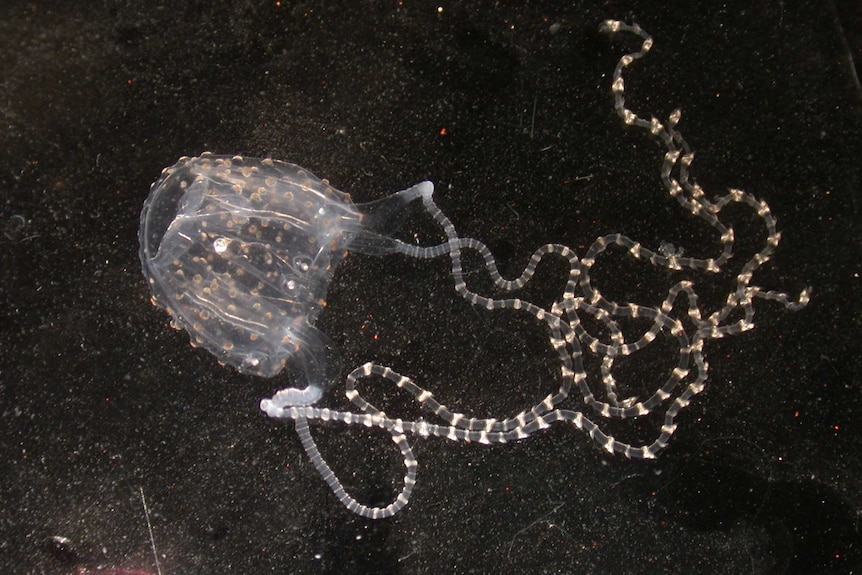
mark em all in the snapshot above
pixel 240 252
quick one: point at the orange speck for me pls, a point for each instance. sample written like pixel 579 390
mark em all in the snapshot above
pixel 443 131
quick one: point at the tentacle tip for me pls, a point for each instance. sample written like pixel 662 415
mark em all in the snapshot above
pixel 610 26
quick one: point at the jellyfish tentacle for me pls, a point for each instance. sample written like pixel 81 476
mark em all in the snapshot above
pixel 569 336
pixel 210 221
pixel 316 458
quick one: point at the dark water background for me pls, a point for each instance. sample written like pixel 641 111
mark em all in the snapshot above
pixel 507 108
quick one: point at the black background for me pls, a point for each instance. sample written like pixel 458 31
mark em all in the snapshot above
pixel 507 109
